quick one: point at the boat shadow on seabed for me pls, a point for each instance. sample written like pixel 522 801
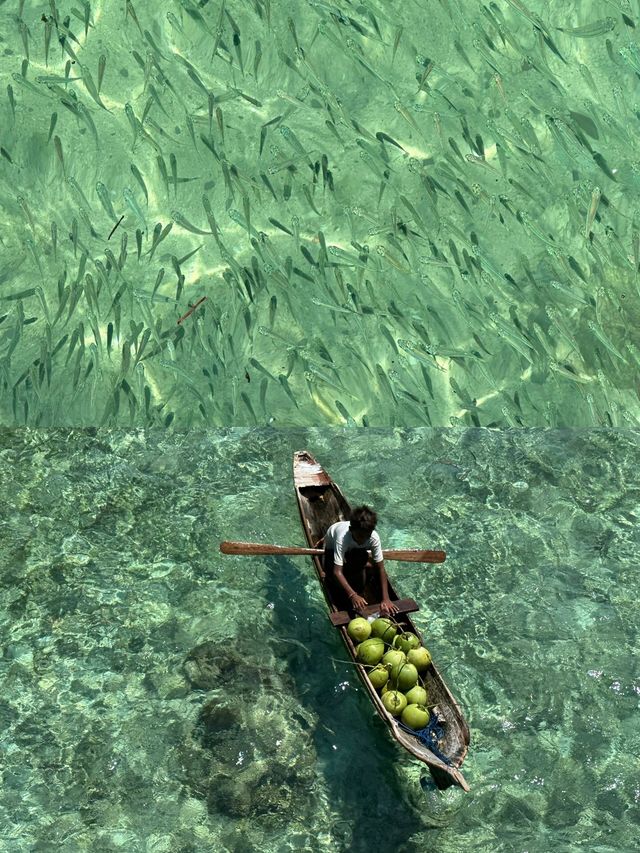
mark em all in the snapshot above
pixel 373 789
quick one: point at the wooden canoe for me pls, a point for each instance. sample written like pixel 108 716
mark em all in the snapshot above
pixel 321 503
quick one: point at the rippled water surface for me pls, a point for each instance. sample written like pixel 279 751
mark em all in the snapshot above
pixel 159 696
pixel 377 214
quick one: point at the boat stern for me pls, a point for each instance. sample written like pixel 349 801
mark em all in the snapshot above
pixel 308 472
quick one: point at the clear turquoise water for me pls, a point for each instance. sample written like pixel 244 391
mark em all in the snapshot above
pixel 111 577
pixel 425 214
pixel 425 217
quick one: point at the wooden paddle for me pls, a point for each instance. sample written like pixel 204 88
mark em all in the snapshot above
pixel 253 549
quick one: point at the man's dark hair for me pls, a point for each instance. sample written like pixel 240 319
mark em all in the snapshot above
pixel 363 518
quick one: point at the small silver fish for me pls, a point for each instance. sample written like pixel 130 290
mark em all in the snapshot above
pixel 87 79
pixel 603 338
pixel 183 223
pixel 138 176
pixel 129 198
pixel 597 28
pixel 593 207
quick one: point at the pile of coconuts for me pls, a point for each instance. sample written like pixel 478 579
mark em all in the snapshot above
pixel 394 660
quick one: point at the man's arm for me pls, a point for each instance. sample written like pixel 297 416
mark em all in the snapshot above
pixel 387 607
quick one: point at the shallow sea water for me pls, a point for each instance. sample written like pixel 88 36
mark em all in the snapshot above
pixel 412 215
pixel 115 738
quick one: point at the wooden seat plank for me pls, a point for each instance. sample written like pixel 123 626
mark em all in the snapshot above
pixel 343 617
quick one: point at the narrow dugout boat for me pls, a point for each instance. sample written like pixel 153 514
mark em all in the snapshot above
pixel 321 503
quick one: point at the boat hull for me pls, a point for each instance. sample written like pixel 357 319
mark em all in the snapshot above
pixel 321 503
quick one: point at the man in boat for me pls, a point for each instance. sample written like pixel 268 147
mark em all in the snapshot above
pixel 346 560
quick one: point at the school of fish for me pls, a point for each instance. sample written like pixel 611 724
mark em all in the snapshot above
pixel 217 215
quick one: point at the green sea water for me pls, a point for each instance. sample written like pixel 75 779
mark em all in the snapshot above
pixel 160 696
pixel 397 214
pixel 298 218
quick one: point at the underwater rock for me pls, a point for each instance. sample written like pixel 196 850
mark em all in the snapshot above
pixel 270 798
pixel 157 843
pixel 612 803
pixel 8 715
pixel 223 732
pixel 563 812
pixel 215 721
pixel 250 752
pixel 192 764
pixel 201 667
pixel 239 785
pixel 245 768
pixel 229 796
pixel 590 536
pixel 165 685
pixel 192 812
pixel 91 760
pixel 445 472
pixel 240 843
pixel 237 796
pixel 229 663
pixel 514 810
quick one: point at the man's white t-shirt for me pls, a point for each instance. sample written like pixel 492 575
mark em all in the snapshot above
pixel 338 538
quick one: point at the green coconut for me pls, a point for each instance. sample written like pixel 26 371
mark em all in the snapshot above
pixel 415 716
pixel 384 628
pixel 393 657
pixel 417 695
pixel 395 702
pixel 370 651
pixel 405 675
pixel 359 629
pixel 379 676
pixel 405 642
pixel 420 658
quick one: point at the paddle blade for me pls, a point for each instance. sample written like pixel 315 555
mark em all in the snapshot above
pixel 415 556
